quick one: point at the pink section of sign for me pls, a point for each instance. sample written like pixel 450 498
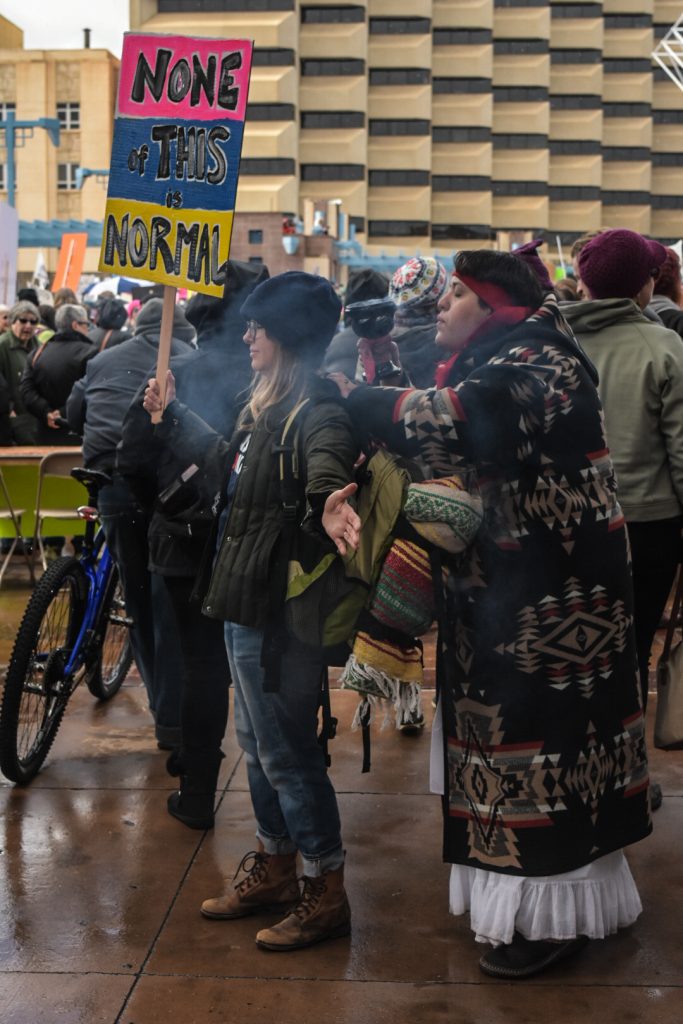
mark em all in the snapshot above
pixel 172 68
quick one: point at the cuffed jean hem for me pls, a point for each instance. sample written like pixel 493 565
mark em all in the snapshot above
pixel 274 845
pixel 316 866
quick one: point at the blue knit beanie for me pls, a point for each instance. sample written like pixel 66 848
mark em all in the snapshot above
pixel 301 311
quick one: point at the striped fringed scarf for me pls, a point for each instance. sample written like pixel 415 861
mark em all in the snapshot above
pixel 386 663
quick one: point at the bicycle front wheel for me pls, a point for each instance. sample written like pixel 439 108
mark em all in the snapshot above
pixel 114 655
pixel 36 687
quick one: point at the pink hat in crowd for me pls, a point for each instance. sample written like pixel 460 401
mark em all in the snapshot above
pixel 617 263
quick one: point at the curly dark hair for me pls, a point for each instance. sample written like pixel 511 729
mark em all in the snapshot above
pixel 669 277
pixel 503 269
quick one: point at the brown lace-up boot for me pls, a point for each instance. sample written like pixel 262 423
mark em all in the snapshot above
pixel 322 913
pixel 270 883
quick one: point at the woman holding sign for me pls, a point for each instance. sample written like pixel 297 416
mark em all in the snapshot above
pixel 292 318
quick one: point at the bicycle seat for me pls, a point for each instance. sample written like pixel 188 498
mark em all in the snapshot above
pixel 93 479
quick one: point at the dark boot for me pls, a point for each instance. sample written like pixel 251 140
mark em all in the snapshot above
pixel 193 803
pixel 270 884
pixel 322 912
pixel 524 958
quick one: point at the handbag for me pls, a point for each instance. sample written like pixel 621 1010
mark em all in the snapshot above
pixel 669 716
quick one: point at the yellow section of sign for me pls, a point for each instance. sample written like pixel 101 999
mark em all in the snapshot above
pixel 185 248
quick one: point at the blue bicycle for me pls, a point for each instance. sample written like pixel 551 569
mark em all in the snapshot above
pixel 74 628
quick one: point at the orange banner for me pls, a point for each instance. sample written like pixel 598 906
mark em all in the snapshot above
pixel 70 263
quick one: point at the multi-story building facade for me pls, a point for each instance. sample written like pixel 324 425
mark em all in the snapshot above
pixel 78 87
pixel 440 123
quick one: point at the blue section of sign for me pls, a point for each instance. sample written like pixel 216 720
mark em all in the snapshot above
pixel 177 164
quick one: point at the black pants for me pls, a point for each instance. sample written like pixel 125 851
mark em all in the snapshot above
pixel 205 679
pixel 656 551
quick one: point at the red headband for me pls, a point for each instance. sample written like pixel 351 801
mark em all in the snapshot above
pixel 493 295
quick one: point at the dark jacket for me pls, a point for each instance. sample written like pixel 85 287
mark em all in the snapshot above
pixel 22 426
pixel 668 312
pixel 100 400
pixel 239 589
pixel 419 352
pixel 50 374
pixel 213 382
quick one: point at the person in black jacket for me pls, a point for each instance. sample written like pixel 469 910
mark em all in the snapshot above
pixel 209 382
pixel 96 408
pixel 52 371
pixel 277 680
pixel 110 327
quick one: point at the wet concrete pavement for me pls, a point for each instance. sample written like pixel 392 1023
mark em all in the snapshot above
pixel 100 892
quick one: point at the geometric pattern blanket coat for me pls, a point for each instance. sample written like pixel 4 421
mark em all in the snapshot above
pixel 545 759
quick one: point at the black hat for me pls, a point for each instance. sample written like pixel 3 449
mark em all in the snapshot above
pixel 301 311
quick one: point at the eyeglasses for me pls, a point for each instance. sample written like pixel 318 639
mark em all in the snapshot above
pixel 83 323
pixel 23 320
pixel 252 327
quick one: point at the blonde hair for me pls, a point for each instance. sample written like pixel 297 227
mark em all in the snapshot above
pixel 287 377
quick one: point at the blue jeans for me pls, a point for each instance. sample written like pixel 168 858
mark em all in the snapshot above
pixel 294 801
pixel 154 636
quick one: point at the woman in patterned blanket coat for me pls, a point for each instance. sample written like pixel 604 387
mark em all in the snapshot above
pixel 543 752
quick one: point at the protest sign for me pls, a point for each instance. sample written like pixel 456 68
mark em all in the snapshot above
pixel 70 262
pixel 175 159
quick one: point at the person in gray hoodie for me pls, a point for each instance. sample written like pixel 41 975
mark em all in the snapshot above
pixel 666 301
pixel 640 365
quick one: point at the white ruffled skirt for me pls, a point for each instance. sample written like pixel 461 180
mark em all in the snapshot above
pixel 594 900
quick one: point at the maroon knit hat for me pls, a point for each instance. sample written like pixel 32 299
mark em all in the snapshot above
pixel 617 263
pixel 529 254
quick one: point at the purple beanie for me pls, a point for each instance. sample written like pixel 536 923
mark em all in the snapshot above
pixel 529 254
pixel 617 263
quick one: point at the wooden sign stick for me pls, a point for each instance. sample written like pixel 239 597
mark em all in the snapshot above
pixel 165 336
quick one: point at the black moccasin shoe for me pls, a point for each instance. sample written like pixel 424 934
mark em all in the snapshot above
pixel 523 958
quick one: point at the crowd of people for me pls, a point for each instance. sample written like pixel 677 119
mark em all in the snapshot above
pixel 539 431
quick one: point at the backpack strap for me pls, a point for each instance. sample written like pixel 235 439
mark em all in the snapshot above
pixel 275 637
pixel 105 340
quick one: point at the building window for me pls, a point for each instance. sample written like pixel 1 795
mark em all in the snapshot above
pixel 629 199
pixel 3 177
pixel 568 193
pixel 574 147
pixel 400 26
pixel 358 224
pixel 628 21
pixel 229 6
pixel 393 179
pixel 520 94
pixel 621 153
pixel 277 57
pixel 667 159
pixel 461 183
pixel 627 66
pixel 332 119
pixel 520 3
pixel 276 165
pixel 5 108
pixel 331 15
pixel 256 237
pixel 667 116
pixel 66 177
pixel 413 126
pixel 520 47
pixel 666 202
pixel 256 259
pixel 400 76
pixel 452 134
pixel 517 140
pixel 575 56
pixel 331 66
pixel 270 112
pixel 576 11
pixel 461 36
pixel 333 172
pixel 398 228
pixel 520 188
pixel 69 115
pixel 445 232
pixel 626 109
pixel 575 102
pixel 448 86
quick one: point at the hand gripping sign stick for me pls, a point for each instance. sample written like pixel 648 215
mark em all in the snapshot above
pixel 165 335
